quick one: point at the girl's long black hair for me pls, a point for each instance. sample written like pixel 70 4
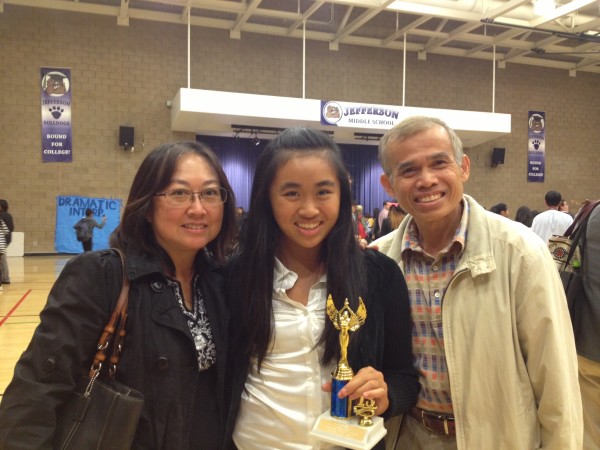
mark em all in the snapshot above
pixel 252 268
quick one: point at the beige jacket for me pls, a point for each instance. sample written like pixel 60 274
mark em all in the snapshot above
pixel 508 338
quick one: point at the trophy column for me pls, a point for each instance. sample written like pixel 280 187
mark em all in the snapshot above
pixel 339 425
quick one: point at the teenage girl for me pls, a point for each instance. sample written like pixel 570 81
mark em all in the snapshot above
pixel 298 247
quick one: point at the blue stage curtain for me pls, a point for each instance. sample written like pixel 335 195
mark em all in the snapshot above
pixel 239 155
pixel 365 170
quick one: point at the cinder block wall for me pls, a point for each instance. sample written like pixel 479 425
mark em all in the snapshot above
pixel 124 76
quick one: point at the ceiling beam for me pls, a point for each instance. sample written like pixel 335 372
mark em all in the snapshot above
pixel 306 15
pixel 514 16
pixel 359 22
pixel 123 17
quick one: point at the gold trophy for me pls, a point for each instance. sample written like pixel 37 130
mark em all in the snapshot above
pixel 339 425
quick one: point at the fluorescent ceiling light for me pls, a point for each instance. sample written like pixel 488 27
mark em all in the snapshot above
pixel 543 7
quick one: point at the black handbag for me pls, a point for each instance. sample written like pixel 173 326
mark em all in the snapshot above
pixel 103 413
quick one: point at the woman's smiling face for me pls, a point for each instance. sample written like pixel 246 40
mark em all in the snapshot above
pixel 190 226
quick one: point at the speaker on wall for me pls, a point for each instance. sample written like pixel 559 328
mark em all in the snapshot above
pixel 498 156
pixel 126 137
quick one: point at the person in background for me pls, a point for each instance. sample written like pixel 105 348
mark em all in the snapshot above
pixel 240 215
pixel 564 207
pixel 524 216
pixel 176 228
pixel 7 218
pixel 241 219
pixel 370 222
pixel 384 212
pixel 586 320
pixel 361 222
pixel 492 335
pixel 501 209
pixel 375 227
pixel 393 220
pixel 4 232
pixel 90 223
pixel 551 222
pixel 355 221
pixel 302 250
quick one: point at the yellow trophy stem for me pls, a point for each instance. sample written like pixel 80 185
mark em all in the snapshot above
pixel 343 371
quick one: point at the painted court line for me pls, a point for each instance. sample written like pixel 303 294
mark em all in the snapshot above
pixel 14 307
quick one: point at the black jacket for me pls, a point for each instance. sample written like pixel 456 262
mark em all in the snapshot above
pixel 159 358
pixel 8 220
pixel 385 340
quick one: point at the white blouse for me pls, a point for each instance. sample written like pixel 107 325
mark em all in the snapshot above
pixel 281 403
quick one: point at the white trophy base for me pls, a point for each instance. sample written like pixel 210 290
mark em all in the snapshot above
pixel 347 432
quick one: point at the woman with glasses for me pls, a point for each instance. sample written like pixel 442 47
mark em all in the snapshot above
pixel 177 226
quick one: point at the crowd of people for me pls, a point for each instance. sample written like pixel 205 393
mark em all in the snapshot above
pixel 467 341
pixel 554 221
pixel 548 224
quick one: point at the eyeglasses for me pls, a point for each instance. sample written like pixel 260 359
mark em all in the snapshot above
pixel 178 197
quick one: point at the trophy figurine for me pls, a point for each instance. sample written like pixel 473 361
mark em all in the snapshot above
pixel 339 425
pixel 344 320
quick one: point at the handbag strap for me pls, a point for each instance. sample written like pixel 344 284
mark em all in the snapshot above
pixel 113 331
pixel 580 218
pixel 579 232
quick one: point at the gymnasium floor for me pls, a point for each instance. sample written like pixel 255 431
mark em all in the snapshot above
pixel 20 304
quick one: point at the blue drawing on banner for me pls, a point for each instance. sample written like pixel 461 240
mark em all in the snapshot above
pixel 56 111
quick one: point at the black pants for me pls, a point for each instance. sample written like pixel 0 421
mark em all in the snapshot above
pixel 87 245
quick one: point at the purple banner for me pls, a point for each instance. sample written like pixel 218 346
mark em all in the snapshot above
pixel 56 115
pixel 536 151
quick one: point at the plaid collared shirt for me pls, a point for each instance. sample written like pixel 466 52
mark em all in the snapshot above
pixel 427 278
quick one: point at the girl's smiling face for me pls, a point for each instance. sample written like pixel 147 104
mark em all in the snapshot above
pixel 305 199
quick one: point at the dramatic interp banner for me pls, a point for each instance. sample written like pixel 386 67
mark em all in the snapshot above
pixel 69 209
pixel 536 139
pixel 56 115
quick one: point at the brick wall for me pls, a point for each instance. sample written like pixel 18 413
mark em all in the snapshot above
pixel 124 75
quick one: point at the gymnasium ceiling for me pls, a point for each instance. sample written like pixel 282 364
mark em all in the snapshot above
pixel 510 31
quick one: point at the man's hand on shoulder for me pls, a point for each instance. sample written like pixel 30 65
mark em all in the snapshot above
pixel 363 244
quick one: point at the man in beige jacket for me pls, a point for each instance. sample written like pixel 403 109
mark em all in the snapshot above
pixel 492 337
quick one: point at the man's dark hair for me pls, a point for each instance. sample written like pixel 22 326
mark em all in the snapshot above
pixel 553 198
pixel 3 205
pixel 499 208
pixel 88 212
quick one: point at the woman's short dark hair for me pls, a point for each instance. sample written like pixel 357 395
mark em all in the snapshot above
pixel 260 236
pixel 153 176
